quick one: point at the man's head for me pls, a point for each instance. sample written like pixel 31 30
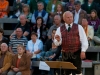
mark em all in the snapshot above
pixel 57 19
pixel 53 33
pixel 90 1
pixel 84 22
pixel 68 17
pixel 77 5
pixel 23 19
pixel 34 36
pixel 40 6
pixel 4 47
pixel 19 32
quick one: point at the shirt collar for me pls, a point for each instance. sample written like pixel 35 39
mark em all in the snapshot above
pixel 78 11
pixel 68 24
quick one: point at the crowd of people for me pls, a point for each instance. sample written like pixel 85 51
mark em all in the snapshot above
pixel 48 30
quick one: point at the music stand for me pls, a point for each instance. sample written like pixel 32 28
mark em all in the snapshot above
pixel 60 64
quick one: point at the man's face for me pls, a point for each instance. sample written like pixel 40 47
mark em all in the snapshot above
pixel 4 48
pixel 77 7
pixel 40 6
pixel 90 1
pixel 57 20
pixel 22 20
pixel 19 32
pixel 53 34
pixel 68 18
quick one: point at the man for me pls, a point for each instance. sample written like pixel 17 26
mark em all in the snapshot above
pixel 33 5
pixel 40 13
pixel 89 31
pixel 57 23
pixel 74 42
pixel 24 25
pixel 16 40
pixel 5 59
pixel 79 14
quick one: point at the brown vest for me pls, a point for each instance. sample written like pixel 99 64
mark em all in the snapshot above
pixel 71 39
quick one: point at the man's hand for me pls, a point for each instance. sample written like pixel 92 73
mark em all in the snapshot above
pixel 52 56
pixel 16 69
pixel 82 55
pixel 53 46
pixel 57 37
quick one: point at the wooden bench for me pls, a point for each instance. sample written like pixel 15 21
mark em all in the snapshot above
pixel 7 20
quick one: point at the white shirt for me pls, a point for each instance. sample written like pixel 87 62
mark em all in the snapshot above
pixel 76 17
pixel 38 32
pixel 83 38
pixel 53 7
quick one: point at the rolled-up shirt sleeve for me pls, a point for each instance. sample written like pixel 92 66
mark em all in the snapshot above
pixel 58 43
pixel 83 39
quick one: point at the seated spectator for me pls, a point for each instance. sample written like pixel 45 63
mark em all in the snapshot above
pixel 26 11
pixel 17 39
pixel 4 8
pixel 53 52
pixel 90 5
pixel 69 6
pixel 57 23
pixel 51 9
pixel 79 14
pixel 59 11
pixel 40 13
pixel 34 48
pixel 24 25
pixel 94 20
pixel 2 38
pixel 17 8
pixel 20 62
pixel 33 5
pixel 96 38
pixel 89 31
pixel 5 59
pixel 40 29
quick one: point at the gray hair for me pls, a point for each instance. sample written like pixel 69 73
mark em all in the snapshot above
pixel 4 44
pixel 77 3
pixel 23 16
pixel 40 3
pixel 58 16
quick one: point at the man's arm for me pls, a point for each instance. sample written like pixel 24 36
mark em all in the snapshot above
pixel 40 48
pixel 83 39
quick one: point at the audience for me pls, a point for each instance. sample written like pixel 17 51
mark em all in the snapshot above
pixel 17 39
pixel 35 20
pixel 89 30
pixel 2 38
pixel 40 29
pixel 94 20
pixel 33 5
pixel 57 23
pixel 78 13
pixel 5 59
pixel 24 25
pixel 40 13
pixel 4 5
pixel 20 63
